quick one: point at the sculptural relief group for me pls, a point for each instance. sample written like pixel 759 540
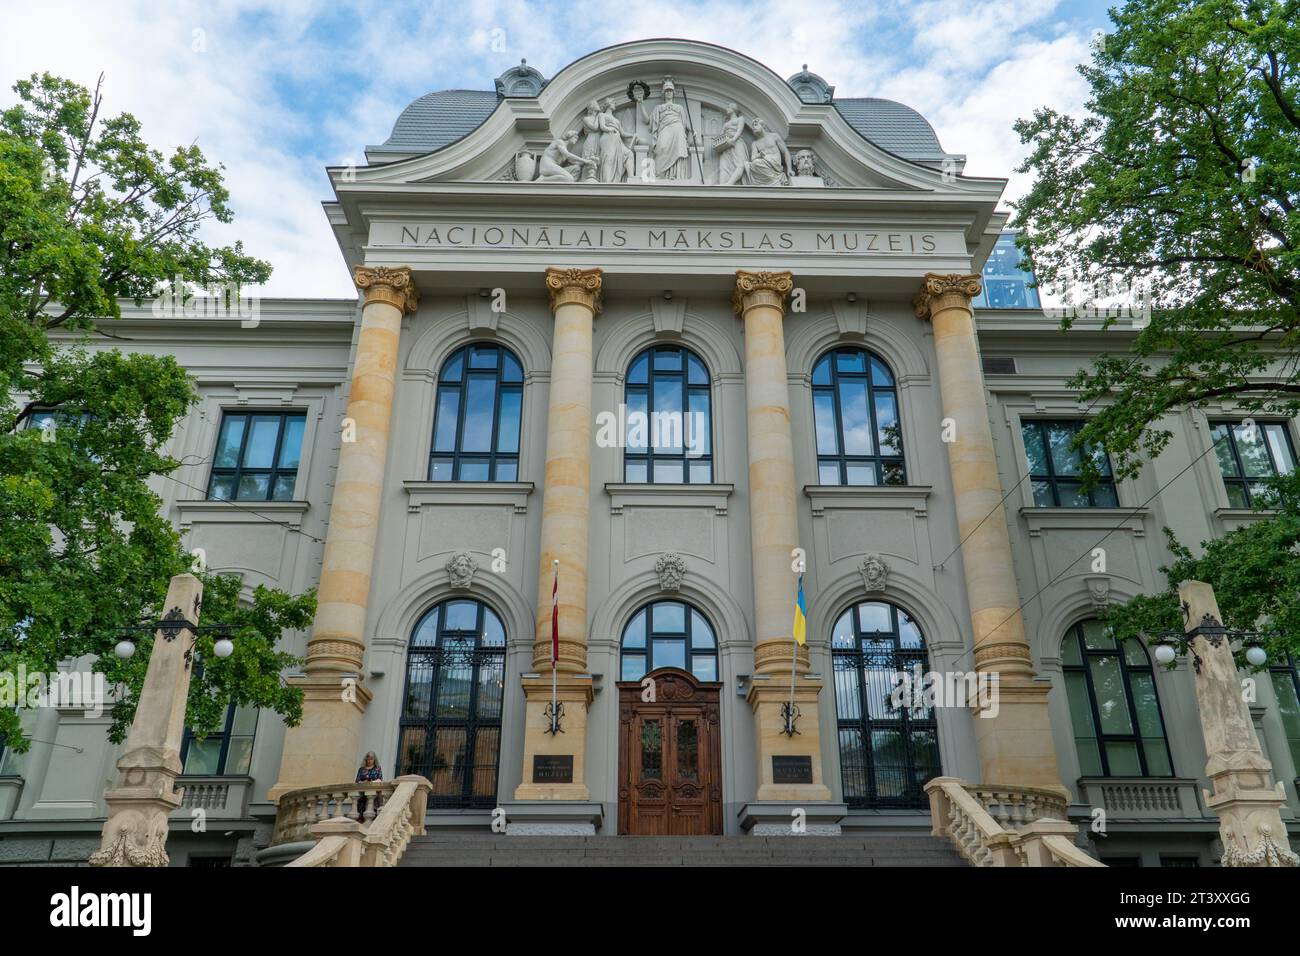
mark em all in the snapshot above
pixel 636 141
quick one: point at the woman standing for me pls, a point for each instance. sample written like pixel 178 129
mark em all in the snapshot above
pixel 668 132
pixel 368 772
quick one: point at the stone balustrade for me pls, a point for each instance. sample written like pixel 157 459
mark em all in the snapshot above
pixel 1004 826
pixel 352 839
pixel 298 810
pixel 1143 798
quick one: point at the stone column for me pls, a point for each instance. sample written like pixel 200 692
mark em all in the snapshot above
pixel 326 746
pixel 759 300
pixel 566 507
pixel 1015 746
pixel 135 833
pixel 1250 824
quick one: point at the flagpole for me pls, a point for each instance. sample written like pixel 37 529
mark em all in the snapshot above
pixel 554 651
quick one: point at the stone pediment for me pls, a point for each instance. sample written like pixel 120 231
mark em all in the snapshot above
pixel 666 113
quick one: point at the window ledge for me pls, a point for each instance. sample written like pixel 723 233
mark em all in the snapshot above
pixel 1128 519
pixel 241 512
pixel 870 497
pixel 668 496
pixel 422 493
pixel 1243 515
pixel 1144 798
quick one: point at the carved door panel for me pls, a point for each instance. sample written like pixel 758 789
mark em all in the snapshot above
pixel 670 780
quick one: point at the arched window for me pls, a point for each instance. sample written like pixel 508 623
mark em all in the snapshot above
pixel 887 752
pixel 450 729
pixel 855 409
pixel 669 634
pixel 1114 709
pixel 669 420
pixel 476 424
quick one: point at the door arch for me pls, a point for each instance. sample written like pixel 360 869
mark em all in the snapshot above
pixel 669 755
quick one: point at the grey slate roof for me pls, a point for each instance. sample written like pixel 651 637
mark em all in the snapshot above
pixel 438 119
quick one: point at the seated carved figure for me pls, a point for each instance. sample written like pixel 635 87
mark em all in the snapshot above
pixel 551 167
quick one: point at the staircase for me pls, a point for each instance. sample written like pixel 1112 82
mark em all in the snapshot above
pixel 887 848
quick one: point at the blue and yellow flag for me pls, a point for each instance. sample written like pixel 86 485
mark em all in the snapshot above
pixel 800 617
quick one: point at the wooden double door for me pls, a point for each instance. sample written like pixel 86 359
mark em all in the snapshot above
pixel 669 756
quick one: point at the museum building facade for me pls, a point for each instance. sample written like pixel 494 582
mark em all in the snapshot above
pixel 669 337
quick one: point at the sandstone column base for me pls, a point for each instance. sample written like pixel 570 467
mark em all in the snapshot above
pixel 1014 738
pixel 1250 824
pixel 326 746
pixel 575 693
pixel 766 698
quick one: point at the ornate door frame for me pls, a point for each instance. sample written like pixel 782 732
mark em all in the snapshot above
pixel 677 789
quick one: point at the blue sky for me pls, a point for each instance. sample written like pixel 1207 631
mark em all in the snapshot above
pixel 278 90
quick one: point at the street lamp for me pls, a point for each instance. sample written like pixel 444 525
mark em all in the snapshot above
pixel 171 625
pixel 1166 643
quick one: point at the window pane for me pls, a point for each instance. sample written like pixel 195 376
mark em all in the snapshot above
pixel 1065 461
pixel 704 666
pixel 669 618
pixel 1105 497
pixel 508 427
pixel 860 473
pixel 699 375
pixel 887 430
pixel 638 429
pixel 223 488
pixel 254 487
pixel 850 361
pixel 634 634
pixel 633 667
pixel 1096 637
pixel 283 490
pixel 1253 451
pixel 668 359
pixel 203 756
pixel 1112 705
pixel 697 426
pixel 483 356
pixel 651 751
pixel 668 654
pixel 440 469
pixel 490 685
pixel 1071 494
pixel 701 472
pixel 1223 451
pixel 893 473
pixel 1070 649
pixel 701 633
pixel 873 617
pixel 1144 701
pixel 1157 754
pixel 668 472
pixel 1043 494
pixel 634 471
pixel 1134 653
pixel 460 616
pixel 828 473
pixel 880 375
pixel 1277 441
pixel 855 419
pixel 909 635
pixel 666 423
pixel 507 470
pixel 822 372
pixel 1034 451
pixel 245 722
pixel 451 372
pixel 291 446
pixel 1122 758
pixel 511 371
pixel 479 405
pixel 824 417
pixel 1237 495
pixel 232 433
pixel 494 634
pixel 473 470
pixel 239 756
pixel 426 633
pixel 444 434
pixel 842 633
pixel 638 373
pixel 848 702
pixel 260 450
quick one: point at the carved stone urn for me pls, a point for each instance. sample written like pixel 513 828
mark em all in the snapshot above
pixel 525 166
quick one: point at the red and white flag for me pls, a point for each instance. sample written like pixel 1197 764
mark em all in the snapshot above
pixel 555 618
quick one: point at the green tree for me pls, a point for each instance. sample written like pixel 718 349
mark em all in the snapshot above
pixel 1182 179
pixel 90 215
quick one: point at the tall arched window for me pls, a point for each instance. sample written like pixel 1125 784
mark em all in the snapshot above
pixel 669 634
pixel 1114 709
pixel 855 409
pixel 450 729
pixel 669 420
pixel 476 424
pixel 887 752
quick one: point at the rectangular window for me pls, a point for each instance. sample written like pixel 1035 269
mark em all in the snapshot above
pixel 257 456
pixel 227 752
pixel 1056 468
pixel 1248 452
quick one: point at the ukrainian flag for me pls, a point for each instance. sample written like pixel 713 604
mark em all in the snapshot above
pixel 800 617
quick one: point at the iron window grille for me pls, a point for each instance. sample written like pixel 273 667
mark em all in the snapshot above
pixel 887 753
pixel 1056 469
pixel 857 420
pixel 476 424
pixel 450 728
pixel 257 456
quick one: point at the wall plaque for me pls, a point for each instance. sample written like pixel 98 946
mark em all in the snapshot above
pixel 792 770
pixel 553 768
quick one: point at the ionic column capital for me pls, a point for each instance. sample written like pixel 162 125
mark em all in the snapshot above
pixel 935 286
pixel 581 286
pixel 760 288
pixel 393 285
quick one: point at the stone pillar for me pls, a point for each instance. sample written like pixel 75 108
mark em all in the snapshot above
pixel 566 507
pixel 759 300
pixel 135 833
pixel 1250 824
pixel 1015 746
pixel 326 746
